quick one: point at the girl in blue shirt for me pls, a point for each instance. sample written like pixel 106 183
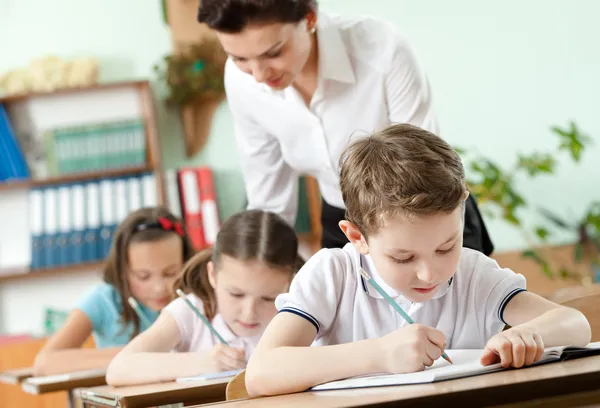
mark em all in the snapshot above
pixel 148 250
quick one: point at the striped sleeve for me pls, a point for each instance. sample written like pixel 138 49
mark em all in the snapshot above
pixel 315 291
pixel 493 288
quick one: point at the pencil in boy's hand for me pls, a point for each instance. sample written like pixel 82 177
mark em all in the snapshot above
pixel 138 311
pixel 395 305
pixel 201 316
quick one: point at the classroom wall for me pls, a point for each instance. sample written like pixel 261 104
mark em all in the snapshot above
pixel 501 74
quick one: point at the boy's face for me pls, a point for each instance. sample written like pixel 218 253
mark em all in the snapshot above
pixel 414 255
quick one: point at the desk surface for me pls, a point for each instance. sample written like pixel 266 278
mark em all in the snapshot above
pixel 143 396
pixel 548 380
pixel 16 376
pixel 64 382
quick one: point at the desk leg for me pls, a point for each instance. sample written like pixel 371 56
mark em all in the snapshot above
pixel 72 399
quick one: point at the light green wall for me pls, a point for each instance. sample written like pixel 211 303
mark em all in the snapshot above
pixel 502 74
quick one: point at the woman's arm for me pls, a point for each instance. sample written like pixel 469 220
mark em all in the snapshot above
pixel 62 352
pixel 147 358
pixel 408 94
pixel 271 184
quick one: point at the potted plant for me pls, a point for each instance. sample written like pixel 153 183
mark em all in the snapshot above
pixel 497 194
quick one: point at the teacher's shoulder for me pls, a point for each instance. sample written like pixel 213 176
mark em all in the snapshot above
pixel 236 80
pixel 372 40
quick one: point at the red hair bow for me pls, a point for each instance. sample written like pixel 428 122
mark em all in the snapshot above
pixel 169 225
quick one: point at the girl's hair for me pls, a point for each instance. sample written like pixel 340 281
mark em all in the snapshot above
pixel 232 16
pixel 252 235
pixel 144 225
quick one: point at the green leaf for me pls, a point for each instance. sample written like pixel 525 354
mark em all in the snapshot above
pixel 532 254
pixel 572 140
pixel 536 163
pixel 565 273
pixel 555 219
pixel 546 270
pixel 542 233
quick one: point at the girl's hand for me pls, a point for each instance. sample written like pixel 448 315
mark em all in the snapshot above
pixel 514 347
pixel 227 358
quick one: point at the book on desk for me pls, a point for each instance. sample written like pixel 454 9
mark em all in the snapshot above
pixel 151 395
pixel 466 364
pixel 64 382
pixel 16 376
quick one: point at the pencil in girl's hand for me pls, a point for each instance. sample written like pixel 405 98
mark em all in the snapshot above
pixel 200 315
pixel 138 311
pixel 395 305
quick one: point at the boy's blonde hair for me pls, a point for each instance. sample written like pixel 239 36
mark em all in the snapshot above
pixel 402 170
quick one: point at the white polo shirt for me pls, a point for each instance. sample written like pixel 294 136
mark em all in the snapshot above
pixel 331 294
pixel 196 336
pixel 368 79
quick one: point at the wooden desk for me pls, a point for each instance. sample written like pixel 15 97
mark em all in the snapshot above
pixel 569 383
pixel 14 356
pixel 16 376
pixel 151 395
pixel 64 382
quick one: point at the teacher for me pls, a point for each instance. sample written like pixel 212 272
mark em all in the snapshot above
pixel 302 85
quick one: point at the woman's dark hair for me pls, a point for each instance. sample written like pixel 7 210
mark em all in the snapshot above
pixel 144 225
pixel 232 16
pixel 252 235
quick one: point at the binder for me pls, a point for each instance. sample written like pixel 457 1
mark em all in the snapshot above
pixel 16 166
pixel 36 228
pixel 134 193
pixel 64 250
pixel 172 187
pixel 50 226
pixel 78 202
pixel 91 243
pixel 192 213
pixel 108 217
pixel 149 191
pixel 121 200
pixel 208 202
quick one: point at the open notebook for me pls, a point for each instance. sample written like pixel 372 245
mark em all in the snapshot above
pixel 209 376
pixel 466 364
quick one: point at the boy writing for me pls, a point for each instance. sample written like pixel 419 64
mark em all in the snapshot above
pixel 404 190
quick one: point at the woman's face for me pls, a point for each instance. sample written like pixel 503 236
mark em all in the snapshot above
pixel 273 53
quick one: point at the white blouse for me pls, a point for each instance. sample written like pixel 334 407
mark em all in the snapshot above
pixel 368 78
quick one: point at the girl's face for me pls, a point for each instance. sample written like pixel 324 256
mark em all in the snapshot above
pixel 273 53
pixel 153 268
pixel 246 292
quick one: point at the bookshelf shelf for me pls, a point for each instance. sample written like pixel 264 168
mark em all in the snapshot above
pixel 71 178
pixel 26 273
pixel 67 91
pixel 130 107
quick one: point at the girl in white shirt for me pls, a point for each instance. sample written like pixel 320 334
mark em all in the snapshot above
pixel 234 285
pixel 301 85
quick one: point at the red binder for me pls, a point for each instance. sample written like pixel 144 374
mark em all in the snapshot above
pixel 191 207
pixel 208 203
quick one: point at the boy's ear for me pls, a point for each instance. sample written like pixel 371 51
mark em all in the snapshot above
pixel 352 232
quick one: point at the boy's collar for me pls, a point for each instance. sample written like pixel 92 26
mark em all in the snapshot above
pixel 366 262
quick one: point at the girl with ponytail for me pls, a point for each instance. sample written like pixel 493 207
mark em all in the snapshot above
pixel 234 285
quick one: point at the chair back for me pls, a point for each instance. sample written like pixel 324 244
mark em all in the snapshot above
pixel 236 389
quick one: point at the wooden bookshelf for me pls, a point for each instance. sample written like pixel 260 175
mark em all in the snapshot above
pixel 72 178
pixel 26 273
pixel 66 91
pixel 143 105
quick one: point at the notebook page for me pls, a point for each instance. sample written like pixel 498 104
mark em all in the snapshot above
pixel 208 376
pixel 466 363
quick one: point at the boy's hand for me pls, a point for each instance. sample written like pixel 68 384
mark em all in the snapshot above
pixel 514 347
pixel 227 358
pixel 411 348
